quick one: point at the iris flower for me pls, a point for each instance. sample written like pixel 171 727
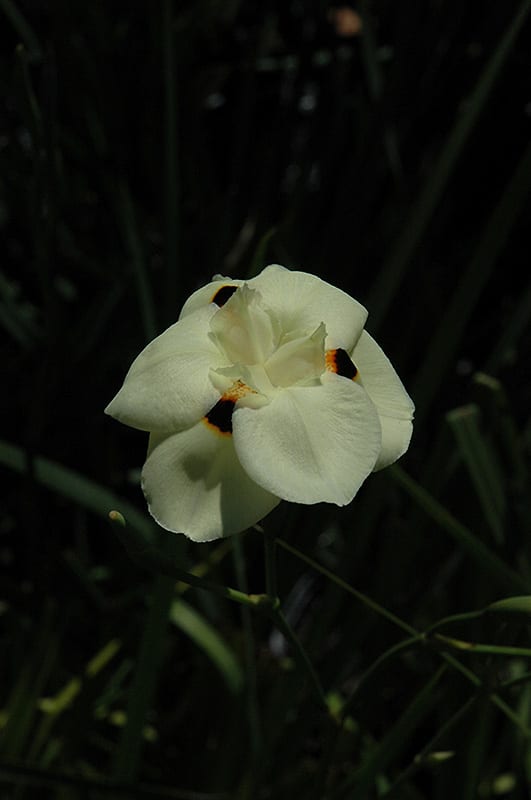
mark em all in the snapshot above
pixel 264 390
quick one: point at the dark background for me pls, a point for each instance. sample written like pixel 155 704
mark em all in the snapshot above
pixel 145 147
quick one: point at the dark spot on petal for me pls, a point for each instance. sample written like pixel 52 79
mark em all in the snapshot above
pixel 223 294
pixel 343 365
pixel 220 416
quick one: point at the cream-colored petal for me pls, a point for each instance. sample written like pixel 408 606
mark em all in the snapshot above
pixel 388 394
pixel 302 301
pixel 194 484
pixel 244 329
pixel 311 444
pixel 168 387
pixel 298 361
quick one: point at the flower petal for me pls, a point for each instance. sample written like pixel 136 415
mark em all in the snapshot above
pixel 244 329
pixel 311 444
pixel 299 361
pixel 387 392
pixel 302 301
pixel 168 387
pixel 194 484
pixel 206 294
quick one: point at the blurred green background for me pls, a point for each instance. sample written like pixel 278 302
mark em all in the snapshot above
pixel 385 147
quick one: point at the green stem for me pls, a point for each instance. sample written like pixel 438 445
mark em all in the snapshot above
pixel 476 647
pixel 270 566
pixel 253 708
pixel 405 644
pixel 156 561
pixel 171 170
pixel 464 617
pixel 300 654
pixel 363 598
pixel 447 657
pixel 127 761
pixel 428 748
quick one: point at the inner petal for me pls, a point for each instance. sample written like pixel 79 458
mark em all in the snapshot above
pixel 244 329
pixel 254 379
pixel 300 360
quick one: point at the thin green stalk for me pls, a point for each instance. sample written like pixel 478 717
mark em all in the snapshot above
pixel 453 618
pixel 447 657
pixel 428 748
pixel 127 760
pixel 445 342
pixel 476 647
pixel 509 684
pixel 300 654
pixel 270 566
pixel 504 707
pixel 405 644
pixel 342 715
pixel 485 557
pixel 421 214
pixel 171 173
pixel 156 561
pixel 133 245
pixel 22 27
pixel 359 783
pixel 253 707
pixel 363 598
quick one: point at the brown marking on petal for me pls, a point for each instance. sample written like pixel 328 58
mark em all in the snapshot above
pixel 222 294
pixel 339 361
pixel 220 416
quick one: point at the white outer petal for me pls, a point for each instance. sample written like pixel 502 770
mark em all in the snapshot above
pixel 302 301
pixel 311 444
pixel 203 296
pixel 168 387
pixel 388 394
pixel 194 484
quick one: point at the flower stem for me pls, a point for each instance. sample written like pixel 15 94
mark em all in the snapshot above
pixel 300 653
pixel 363 598
pixel 156 561
pixel 270 566
pixel 253 708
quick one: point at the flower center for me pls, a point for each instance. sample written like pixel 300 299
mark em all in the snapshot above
pixel 261 356
pixel 260 353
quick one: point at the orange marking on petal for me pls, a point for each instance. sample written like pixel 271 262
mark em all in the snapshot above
pixel 339 361
pixel 219 418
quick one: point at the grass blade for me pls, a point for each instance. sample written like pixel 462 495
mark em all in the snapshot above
pixel 393 271
pixel 481 465
pixel 75 487
pixel 23 28
pixel 444 344
pixel 127 758
pixel 171 170
pixel 126 216
pixel 359 784
pixel 483 556
pixel 188 620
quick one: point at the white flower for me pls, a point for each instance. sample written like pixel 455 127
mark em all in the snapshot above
pixel 264 390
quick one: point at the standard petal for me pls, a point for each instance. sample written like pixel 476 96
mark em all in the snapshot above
pixel 168 387
pixel 245 329
pixel 302 301
pixel 311 444
pixel 387 392
pixel 206 294
pixel 194 484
